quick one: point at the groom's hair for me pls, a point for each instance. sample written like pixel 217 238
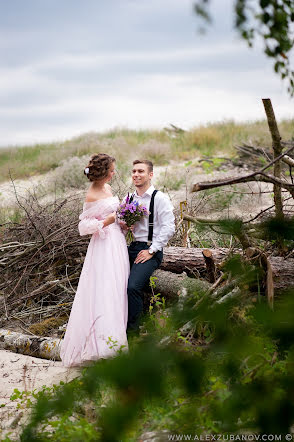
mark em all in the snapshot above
pixel 149 164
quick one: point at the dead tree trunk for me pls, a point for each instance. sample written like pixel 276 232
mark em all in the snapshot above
pixel 46 348
pixel 210 265
pixel 277 148
pixel 191 261
pixel 171 284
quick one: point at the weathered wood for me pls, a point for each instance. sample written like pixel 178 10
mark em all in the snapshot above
pixel 283 272
pixel 253 155
pixel 190 260
pixel 259 175
pixel 170 284
pixel 210 265
pixel 288 160
pixel 277 148
pixel 39 347
pixel 256 176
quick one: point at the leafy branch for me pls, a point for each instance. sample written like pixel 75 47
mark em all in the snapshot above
pixel 270 20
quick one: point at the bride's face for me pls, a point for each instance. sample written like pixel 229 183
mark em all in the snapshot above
pixel 111 172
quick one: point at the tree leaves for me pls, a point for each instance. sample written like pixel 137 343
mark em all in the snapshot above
pixel 269 19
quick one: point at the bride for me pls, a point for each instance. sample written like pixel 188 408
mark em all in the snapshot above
pixel 97 323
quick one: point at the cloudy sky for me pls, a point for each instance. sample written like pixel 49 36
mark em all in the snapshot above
pixel 72 66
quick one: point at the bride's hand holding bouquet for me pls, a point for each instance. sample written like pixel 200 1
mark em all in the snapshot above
pixel 129 212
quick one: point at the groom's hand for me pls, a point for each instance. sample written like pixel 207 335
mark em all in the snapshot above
pixel 143 256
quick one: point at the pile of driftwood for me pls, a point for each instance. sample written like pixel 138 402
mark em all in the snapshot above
pixel 40 259
pixel 254 157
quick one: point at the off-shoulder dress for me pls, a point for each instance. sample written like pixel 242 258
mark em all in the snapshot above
pixel 97 323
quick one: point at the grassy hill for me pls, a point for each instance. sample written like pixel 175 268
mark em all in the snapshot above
pixel 160 146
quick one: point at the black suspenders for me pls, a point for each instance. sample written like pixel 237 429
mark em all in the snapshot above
pixel 151 215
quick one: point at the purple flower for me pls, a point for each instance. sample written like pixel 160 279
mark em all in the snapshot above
pixel 131 212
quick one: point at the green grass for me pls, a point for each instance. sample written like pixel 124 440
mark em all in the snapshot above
pixel 222 137
pixel 9 215
pixel 126 145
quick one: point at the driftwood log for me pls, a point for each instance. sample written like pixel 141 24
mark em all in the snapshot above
pixel 170 285
pixel 191 261
pixel 39 347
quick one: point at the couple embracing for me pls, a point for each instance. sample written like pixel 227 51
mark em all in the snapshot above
pixel 109 298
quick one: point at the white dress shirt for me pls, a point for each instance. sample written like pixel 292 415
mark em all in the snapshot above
pixel 163 220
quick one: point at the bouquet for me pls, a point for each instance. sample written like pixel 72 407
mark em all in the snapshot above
pixel 130 212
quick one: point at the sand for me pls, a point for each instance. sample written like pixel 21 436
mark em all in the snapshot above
pixel 25 373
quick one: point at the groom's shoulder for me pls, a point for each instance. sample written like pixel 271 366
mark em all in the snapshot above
pixel 161 196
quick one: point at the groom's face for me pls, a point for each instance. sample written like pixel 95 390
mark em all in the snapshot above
pixel 141 175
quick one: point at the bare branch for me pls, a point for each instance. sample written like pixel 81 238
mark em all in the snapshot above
pixel 244 179
pixel 288 160
pixel 248 178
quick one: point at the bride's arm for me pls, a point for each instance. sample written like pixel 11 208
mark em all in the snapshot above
pixel 88 226
pixel 110 219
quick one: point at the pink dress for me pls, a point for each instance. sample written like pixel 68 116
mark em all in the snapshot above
pixel 98 320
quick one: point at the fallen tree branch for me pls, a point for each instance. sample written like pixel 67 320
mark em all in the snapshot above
pixel 248 178
pixel 170 285
pixel 256 176
pixel 45 287
pixel 23 207
pixel 45 347
pixel 235 293
pixel 199 220
pixel 288 160
pixel 181 259
pixel 263 211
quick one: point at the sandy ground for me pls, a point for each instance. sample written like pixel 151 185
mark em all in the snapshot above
pixel 8 189
pixel 26 374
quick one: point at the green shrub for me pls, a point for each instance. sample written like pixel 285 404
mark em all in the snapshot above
pixel 70 174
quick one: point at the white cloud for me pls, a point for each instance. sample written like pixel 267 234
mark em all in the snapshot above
pixel 141 65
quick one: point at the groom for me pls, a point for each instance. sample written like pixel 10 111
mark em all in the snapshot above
pixel 151 235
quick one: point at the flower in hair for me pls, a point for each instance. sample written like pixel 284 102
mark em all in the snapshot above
pixel 87 170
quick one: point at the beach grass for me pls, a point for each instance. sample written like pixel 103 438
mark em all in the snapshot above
pixel 20 162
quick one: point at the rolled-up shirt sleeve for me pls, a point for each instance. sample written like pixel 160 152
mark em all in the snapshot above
pixel 89 226
pixel 166 220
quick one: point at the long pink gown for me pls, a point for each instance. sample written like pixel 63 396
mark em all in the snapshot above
pixel 97 324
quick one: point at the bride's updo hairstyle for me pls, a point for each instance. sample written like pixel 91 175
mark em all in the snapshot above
pixel 98 166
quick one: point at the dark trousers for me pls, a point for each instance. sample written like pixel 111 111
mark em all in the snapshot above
pixel 139 278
